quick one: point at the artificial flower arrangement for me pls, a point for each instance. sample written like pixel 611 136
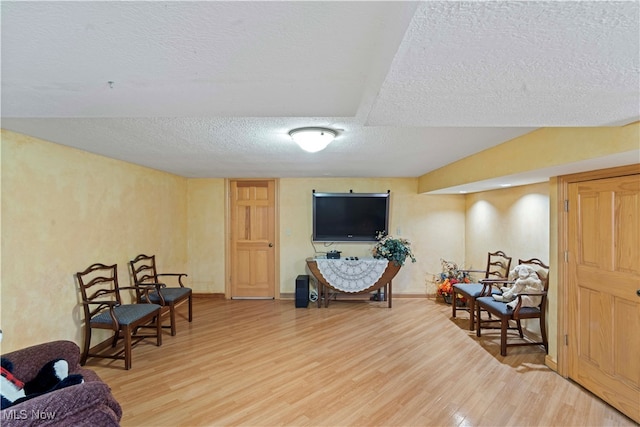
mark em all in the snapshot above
pixel 450 275
pixel 392 248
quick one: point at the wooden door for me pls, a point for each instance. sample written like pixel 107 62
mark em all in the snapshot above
pixel 604 278
pixel 252 226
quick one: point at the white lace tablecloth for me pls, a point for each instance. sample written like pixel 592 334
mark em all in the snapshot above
pixel 352 275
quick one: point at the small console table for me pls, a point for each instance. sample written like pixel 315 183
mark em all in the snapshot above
pixel 352 276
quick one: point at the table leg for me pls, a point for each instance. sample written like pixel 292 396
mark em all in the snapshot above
pixel 326 297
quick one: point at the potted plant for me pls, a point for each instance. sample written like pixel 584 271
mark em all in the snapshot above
pixel 393 248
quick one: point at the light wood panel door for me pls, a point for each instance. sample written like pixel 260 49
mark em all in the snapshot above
pixel 604 278
pixel 252 239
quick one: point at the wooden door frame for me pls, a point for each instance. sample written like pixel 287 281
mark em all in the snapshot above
pixel 227 234
pixel 563 247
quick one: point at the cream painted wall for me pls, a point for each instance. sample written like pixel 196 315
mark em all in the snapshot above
pixel 434 225
pixel 514 220
pixel 84 208
pixel 552 304
pixel 541 148
pixel 64 209
pixel 1 234
pixel 206 235
pixel 517 221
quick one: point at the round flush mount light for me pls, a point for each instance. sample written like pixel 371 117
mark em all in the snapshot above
pixel 313 139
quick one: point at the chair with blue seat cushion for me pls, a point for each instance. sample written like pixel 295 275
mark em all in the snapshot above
pixel 498 264
pixel 150 290
pixel 104 309
pixel 505 313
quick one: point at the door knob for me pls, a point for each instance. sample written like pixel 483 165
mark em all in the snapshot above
pixel 271 245
pixel 638 292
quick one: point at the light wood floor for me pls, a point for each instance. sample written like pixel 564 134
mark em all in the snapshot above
pixel 266 363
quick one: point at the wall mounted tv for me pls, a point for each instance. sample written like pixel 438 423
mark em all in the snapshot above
pixel 349 217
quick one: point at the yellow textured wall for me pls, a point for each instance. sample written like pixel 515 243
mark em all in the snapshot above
pixel 1 234
pixel 64 209
pixel 514 220
pixel 433 223
pixel 517 221
pixel 206 234
pixel 541 148
pixel 552 301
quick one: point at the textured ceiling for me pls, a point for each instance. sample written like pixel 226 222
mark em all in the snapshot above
pixel 210 89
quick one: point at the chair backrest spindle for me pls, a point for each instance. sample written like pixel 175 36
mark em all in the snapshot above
pixel 498 265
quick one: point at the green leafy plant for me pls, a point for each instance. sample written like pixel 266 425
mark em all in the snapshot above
pixel 392 248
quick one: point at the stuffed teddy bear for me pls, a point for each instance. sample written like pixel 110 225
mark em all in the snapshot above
pixel 52 376
pixel 526 280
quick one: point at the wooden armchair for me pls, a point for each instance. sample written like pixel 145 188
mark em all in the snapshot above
pixel 151 290
pixel 103 309
pixel 498 264
pixel 504 312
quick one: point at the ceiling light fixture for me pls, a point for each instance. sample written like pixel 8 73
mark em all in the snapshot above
pixel 313 139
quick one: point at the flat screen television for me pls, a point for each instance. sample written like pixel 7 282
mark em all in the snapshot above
pixel 349 217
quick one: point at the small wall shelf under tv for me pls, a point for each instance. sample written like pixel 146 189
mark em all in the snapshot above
pixel 350 217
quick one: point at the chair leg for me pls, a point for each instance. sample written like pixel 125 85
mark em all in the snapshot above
pixel 472 315
pixel 190 309
pixel 159 329
pixel 115 339
pixel 126 330
pixel 172 314
pixel 543 333
pixel 519 328
pixel 478 333
pixel 87 344
pixel 453 305
pixel 504 324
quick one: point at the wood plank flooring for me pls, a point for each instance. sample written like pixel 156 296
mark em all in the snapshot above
pixel 355 363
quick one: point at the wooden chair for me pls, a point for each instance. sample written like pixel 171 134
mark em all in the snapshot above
pixel 504 313
pixel 103 309
pixel 150 289
pixel 498 264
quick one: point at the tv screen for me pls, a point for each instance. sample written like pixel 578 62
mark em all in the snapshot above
pixel 349 217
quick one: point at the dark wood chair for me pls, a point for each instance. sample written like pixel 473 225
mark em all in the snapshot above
pixel 151 289
pixel 103 309
pixel 498 265
pixel 505 313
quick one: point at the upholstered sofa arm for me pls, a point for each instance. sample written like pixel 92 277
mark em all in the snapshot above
pixel 27 362
pixel 87 404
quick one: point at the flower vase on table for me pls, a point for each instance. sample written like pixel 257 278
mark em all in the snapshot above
pixel 396 250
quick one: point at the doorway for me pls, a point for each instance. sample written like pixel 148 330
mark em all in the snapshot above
pixel 602 273
pixel 252 236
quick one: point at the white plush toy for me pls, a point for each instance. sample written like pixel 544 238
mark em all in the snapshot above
pixel 526 280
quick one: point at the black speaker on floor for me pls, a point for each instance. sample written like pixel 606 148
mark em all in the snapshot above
pixel 302 291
